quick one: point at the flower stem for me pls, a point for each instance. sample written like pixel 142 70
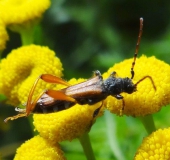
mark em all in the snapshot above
pixel 111 129
pixel 85 142
pixel 27 36
pixel 26 32
pixel 148 123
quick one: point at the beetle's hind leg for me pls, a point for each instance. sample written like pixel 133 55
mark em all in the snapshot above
pixel 96 112
pixel 120 97
pixel 122 109
pixel 15 117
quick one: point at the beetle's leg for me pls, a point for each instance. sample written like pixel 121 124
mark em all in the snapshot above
pixel 113 74
pixel 47 78
pixel 15 117
pixel 97 73
pixel 24 112
pixel 118 96
pixel 59 95
pixel 53 79
pixel 31 104
pixel 96 112
pixel 123 107
pixel 54 94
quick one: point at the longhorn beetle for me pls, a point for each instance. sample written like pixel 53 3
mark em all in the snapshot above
pixel 89 92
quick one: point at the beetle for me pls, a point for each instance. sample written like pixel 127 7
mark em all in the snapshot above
pixel 91 91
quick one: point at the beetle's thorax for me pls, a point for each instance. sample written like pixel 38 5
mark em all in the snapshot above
pixel 114 86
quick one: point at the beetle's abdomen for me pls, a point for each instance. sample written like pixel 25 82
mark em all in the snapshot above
pixel 47 104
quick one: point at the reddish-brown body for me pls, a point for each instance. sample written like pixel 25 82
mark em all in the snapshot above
pixel 88 92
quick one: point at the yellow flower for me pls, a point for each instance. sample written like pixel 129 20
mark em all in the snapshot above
pixel 3 35
pixel 39 148
pixel 19 11
pixel 67 124
pixel 22 67
pixel 146 100
pixel 155 147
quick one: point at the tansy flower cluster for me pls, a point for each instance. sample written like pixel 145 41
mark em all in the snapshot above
pixel 32 149
pixel 19 15
pixel 156 146
pixel 19 12
pixel 21 67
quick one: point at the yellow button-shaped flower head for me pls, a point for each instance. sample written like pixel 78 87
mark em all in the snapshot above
pixel 22 67
pixel 20 11
pixel 39 148
pixel 147 99
pixel 155 147
pixel 67 124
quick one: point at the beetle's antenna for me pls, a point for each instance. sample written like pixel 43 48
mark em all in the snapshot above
pixel 137 47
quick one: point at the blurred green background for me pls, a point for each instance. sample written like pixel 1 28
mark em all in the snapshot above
pixel 89 35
